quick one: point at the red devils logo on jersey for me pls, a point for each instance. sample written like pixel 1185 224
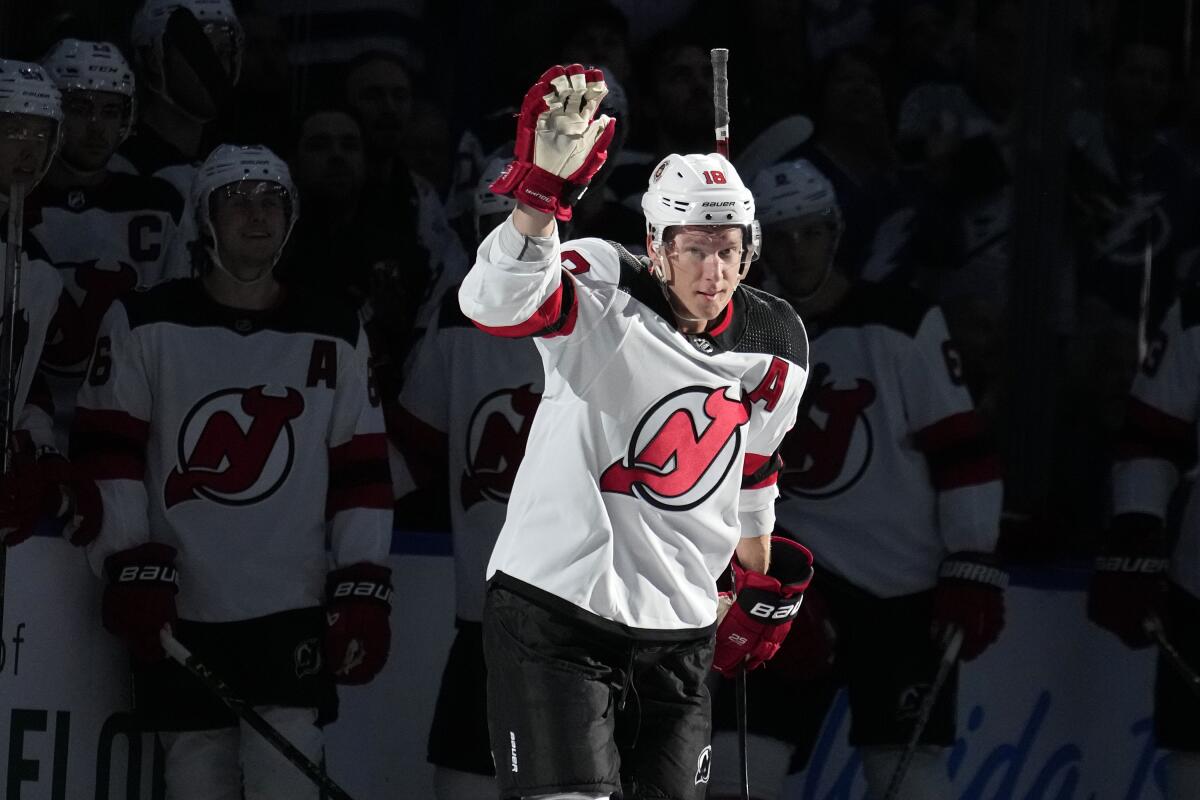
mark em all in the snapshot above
pixel 236 446
pixel 831 445
pixel 72 332
pixel 682 449
pixel 496 436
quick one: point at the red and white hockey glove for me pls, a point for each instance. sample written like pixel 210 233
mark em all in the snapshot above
pixel 358 636
pixel 140 597
pixel 1130 582
pixel 808 651
pixel 763 608
pixel 559 146
pixel 32 489
pixel 970 596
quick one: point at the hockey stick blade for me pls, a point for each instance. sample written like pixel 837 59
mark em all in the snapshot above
pixel 246 712
pixel 949 657
pixel 1154 627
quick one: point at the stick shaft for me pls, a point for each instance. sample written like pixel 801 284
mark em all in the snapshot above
pixel 13 245
pixel 743 734
pixel 1178 662
pixel 246 712
pixel 949 657
pixel 720 67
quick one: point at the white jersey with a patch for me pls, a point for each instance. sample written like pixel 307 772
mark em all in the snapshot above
pixel 888 469
pixel 652 451
pixel 244 439
pixel 467 407
pixel 1158 443
pixel 105 241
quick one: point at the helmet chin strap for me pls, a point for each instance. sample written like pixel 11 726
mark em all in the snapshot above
pixel 257 279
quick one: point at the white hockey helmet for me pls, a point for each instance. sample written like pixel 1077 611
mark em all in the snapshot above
pixel 74 64
pixel 229 164
pixel 700 190
pixel 150 23
pixel 25 88
pixel 795 189
pixel 486 201
pixel 77 65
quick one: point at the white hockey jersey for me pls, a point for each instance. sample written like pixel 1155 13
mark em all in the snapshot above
pixel 652 451
pixel 41 289
pixel 1158 443
pixel 104 241
pixel 888 468
pixel 475 396
pixel 243 439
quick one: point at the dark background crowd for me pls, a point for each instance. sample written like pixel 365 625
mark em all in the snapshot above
pixel 1034 167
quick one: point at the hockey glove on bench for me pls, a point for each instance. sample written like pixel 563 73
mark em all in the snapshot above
pixel 1130 582
pixel 763 609
pixel 358 637
pixel 970 596
pixel 140 597
pixel 559 147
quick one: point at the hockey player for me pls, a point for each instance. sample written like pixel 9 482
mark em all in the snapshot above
pixel 232 429
pixel 106 232
pixel 30 130
pixel 891 480
pixel 465 415
pixel 651 460
pixel 1138 576
pixel 188 55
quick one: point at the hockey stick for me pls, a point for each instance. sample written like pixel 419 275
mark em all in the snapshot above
pixel 949 657
pixel 1154 627
pixel 720 68
pixel 251 717
pixel 9 359
pixel 740 692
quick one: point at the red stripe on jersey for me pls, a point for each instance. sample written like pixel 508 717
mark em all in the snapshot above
pixel 725 320
pixel 959 452
pixel 423 446
pixel 114 467
pixel 1151 433
pixel 375 495
pixel 551 311
pixel 363 447
pixel 984 469
pixel 752 463
pixel 358 475
pixel 109 445
pixel 118 423
pixel 953 431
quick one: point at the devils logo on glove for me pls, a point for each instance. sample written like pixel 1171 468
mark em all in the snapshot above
pixel 236 446
pixel 496 437
pixel 672 463
pixel 828 459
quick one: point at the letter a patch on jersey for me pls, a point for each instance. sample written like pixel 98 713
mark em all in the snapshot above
pixel 681 450
pixel 236 446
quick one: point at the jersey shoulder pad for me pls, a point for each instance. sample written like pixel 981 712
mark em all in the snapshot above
pixel 305 310
pixel 131 192
pixel 163 302
pixel 895 306
pixel 772 327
